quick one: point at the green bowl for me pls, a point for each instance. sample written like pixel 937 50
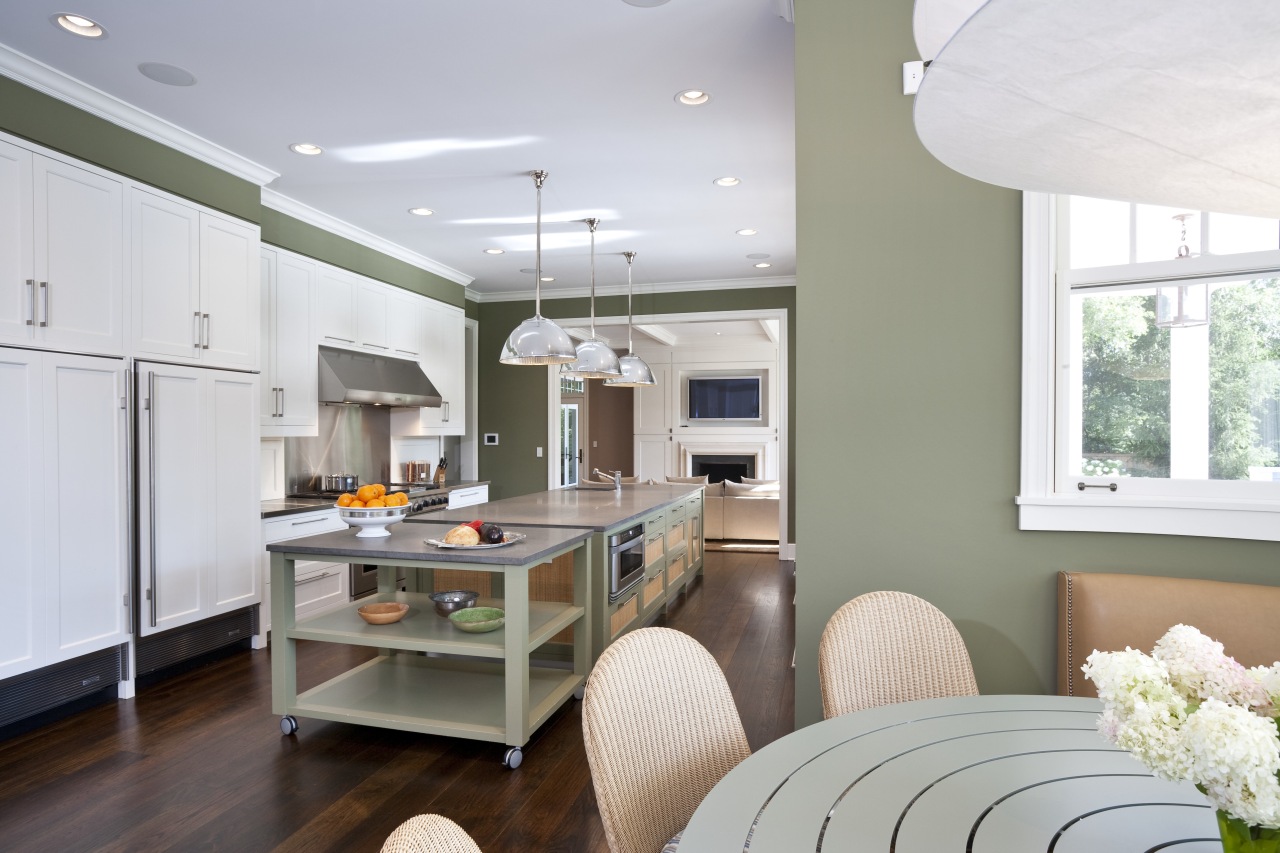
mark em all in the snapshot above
pixel 477 620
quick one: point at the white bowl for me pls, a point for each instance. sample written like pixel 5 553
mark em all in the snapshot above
pixel 373 522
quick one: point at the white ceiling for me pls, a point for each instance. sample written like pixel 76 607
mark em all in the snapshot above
pixel 450 105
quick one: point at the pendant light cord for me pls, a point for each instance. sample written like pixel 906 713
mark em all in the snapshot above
pixel 630 256
pixel 538 177
pixel 592 223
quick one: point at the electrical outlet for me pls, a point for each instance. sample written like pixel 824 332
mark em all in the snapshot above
pixel 490 438
pixel 912 74
pixel 595 444
pixel 539 452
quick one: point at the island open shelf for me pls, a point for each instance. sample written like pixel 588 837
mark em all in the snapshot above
pixel 430 677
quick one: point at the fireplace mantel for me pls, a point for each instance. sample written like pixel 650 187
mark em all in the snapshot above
pixel 754 449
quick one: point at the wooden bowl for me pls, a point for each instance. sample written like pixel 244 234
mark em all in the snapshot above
pixel 383 613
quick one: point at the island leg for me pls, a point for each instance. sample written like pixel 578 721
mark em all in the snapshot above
pixel 284 675
pixel 516 627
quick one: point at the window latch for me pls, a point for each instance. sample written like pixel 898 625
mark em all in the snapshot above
pixel 1111 487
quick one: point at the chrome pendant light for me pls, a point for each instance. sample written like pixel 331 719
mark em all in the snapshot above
pixel 595 359
pixel 538 340
pixel 635 372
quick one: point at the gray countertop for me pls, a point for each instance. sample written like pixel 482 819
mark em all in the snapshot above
pixel 600 510
pixel 406 542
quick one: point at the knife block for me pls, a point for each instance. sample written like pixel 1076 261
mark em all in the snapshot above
pixel 439 477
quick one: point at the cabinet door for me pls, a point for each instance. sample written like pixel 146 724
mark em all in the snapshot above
pixel 79 258
pixel 371 314
pixel 444 362
pixel 17 275
pixel 269 396
pixel 86 553
pixel 229 299
pixel 175 493
pixel 404 324
pixel 294 347
pixel 653 457
pixel 166 277
pixel 653 403
pixel 231 477
pixel 22 610
pixel 336 306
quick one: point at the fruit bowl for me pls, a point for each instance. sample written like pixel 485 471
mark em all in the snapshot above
pixel 454 600
pixel 384 612
pixel 373 522
pixel 478 620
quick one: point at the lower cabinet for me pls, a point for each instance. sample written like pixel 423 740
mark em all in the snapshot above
pixel 64 573
pixel 198 508
pixel 318 584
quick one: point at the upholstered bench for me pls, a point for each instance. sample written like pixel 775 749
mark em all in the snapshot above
pixel 1112 611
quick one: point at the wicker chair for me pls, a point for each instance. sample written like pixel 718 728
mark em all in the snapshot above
pixel 661 729
pixel 887 647
pixel 429 833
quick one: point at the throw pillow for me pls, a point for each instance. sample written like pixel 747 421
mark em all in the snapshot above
pixel 692 481
pixel 748 490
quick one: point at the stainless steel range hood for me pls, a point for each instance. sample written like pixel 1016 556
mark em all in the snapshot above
pixel 359 377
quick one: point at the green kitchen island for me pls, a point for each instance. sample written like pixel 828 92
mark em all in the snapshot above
pixel 429 676
pixel 672 518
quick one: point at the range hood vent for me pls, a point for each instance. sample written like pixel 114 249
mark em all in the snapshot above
pixel 359 377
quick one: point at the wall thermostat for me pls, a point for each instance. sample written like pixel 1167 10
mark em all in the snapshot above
pixel 490 438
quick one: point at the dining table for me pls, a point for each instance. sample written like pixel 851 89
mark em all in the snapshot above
pixel 978 774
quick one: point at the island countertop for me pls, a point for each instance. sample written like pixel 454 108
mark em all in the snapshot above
pixel 597 509
pixel 407 542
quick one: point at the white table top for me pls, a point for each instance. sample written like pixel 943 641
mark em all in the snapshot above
pixel 987 774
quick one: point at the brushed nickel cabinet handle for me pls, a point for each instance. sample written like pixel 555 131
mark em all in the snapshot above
pixel 151 491
pixel 44 288
pixel 206 331
pixel 31 283
pixel 195 330
pixel 282 401
pixel 318 577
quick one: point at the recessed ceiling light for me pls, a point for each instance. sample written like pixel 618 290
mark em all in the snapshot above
pixel 493 251
pixel 306 148
pixel 645 4
pixel 763 265
pixel 79 25
pixel 692 97
pixel 170 75
pixel 746 232
pixel 416 211
pixel 757 256
pixel 548 278
pixel 726 182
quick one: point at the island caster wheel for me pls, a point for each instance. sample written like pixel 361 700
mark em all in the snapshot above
pixel 513 757
pixel 289 724
pixel 579 692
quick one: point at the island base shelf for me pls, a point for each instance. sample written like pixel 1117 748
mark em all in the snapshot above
pixel 455 698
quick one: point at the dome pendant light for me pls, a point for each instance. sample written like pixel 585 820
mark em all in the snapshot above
pixel 538 340
pixel 635 372
pixel 595 359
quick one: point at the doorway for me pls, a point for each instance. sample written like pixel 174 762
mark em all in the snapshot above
pixel 570 444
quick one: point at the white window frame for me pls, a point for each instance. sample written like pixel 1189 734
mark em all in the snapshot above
pixel 1044 505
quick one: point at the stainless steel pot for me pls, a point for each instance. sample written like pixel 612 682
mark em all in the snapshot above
pixel 341 482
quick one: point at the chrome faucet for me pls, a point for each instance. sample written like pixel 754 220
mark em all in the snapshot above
pixel 614 476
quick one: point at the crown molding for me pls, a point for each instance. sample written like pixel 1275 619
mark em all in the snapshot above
pixel 42 78
pixel 342 228
pixel 621 290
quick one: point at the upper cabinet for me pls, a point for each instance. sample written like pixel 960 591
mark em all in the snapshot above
pixel 336 306
pixel 371 316
pixel 288 391
pixel 195 284
pixel 443 359
pixel 405 313
pixel 61 255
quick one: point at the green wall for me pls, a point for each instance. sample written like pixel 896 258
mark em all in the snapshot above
pixel 908 352
pixel 513 399
pixel 46 120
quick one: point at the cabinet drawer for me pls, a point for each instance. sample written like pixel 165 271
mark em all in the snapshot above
pixel 302 524
pixel 653 590
pixel 676 568
pixel 658 522
pixel 469 496
pixel 625 614
pixel 655 549
pixel 319 585
pixel 675 535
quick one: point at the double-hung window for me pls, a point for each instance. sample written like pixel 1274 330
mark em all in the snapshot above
pixel 1151 370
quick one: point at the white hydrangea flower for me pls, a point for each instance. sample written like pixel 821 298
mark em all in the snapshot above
pixel 1269 678
pixel 1199 669
pixel 1235 758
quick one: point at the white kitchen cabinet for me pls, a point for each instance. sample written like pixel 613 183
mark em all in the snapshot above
pixel 61 255
pixel 335 305
pixel 289 382
pixel 199 513
pixel 404 323
pixel 655 403
pixel 195 283
pixel 444 362
pixel 318 584
pixel 371 316
pixel 65 574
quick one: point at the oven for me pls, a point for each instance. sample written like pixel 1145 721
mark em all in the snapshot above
pixel 626 561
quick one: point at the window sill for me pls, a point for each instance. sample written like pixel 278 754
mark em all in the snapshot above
pixel 1225 519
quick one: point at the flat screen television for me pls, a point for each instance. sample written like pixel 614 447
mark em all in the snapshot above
pixel 724 398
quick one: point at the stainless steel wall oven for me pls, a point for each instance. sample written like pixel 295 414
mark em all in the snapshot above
pixel 626 561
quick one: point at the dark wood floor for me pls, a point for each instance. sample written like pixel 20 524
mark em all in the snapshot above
pixel 197 762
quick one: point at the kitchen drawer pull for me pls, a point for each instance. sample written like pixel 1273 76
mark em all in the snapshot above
pixel 446 412
pixel 318 577
pixel 44 288
pixel 31 283
pixel 309 521
pixel 205 344
pixel 195 330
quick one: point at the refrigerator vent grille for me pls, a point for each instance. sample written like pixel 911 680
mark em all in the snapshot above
pixel 161 650
pixel 46 688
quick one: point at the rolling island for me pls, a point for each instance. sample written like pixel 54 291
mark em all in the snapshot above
pixel 429 676
pixel 671 516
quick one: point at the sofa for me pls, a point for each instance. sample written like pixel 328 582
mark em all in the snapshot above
pixel 1111 611
pixel 746 510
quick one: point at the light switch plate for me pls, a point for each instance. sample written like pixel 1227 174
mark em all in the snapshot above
pixel 539 452
pixel 912 74
pixel 490 438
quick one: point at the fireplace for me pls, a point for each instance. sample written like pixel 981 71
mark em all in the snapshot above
pixel 721 466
